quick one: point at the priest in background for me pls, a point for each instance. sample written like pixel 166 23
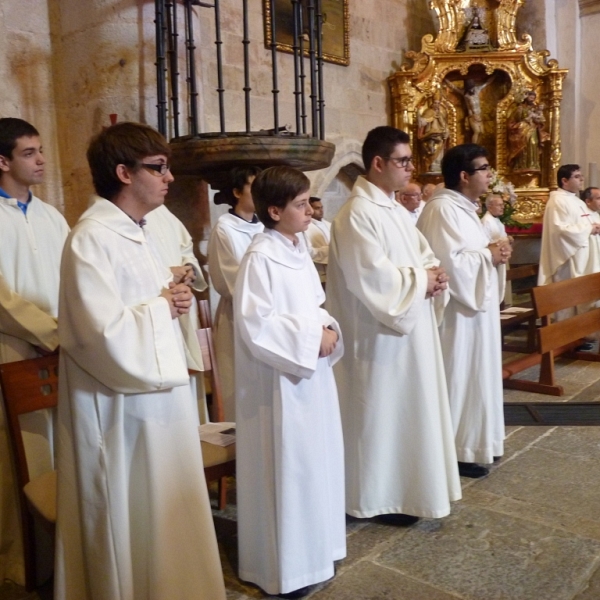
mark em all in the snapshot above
pixel 387 290
pixel 470 331
pixel 134 517
pixel 318 236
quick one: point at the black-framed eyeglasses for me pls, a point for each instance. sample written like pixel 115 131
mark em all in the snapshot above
pixel 401 162
pixel 485 167
pixel 159 169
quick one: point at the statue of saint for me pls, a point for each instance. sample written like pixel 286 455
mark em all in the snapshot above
pixel 432 133
pixel 526 134
pixel 472 97
pixel 476 37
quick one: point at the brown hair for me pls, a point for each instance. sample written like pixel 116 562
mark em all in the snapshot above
pixel 121 144
pixel 277 186
pixel 11 129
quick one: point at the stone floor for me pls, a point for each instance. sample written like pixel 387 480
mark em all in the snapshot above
pixel 529 531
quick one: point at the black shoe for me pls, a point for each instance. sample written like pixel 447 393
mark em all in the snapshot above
pixel 398 519
pixel 472 470
pixel 497 458
pixel 585 347
pixel 299 593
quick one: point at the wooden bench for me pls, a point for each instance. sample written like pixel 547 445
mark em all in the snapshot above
pixel 525 316
pixel 559 337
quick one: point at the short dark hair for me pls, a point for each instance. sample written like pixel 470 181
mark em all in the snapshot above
pixel 277 186
pixel 314 199
pixel 238 178
pixel 381 141
pixel 121 144
pixel 587 193
pixel 11 129
pixel 565 172
pixel 459 159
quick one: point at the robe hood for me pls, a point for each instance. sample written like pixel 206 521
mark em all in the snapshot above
pixel 240 224
pixel 277 250
pixel 108 214
pixel 443 194
pixel 365 189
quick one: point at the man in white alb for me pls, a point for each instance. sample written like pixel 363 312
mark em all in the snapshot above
pixel 386 289
pixel 319 235
pixel 32 235
pixel 470 331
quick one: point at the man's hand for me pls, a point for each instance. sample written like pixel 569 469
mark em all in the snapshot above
pixel 595 229
pixel 437 281
pixel 184 274
pixel 179 297
pixel 328 342
pixel 501 252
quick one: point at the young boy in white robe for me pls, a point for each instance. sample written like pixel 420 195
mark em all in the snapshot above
pixel 134 519
pixel 228 242
pixel 290 471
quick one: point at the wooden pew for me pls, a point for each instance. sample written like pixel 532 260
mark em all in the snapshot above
pixel 559 337
pixel 514 322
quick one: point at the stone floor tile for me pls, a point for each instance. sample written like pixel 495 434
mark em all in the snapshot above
pixel 583 442
pixel 544 478
pixel 480 554
pixel 521 438
pixel 592 588
pixel 368 581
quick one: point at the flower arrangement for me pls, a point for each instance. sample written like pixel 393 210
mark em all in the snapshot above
pixel 506 190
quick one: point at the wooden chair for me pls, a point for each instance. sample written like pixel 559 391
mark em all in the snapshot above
pixel 219 462
pixel 27 386
pixel 561 336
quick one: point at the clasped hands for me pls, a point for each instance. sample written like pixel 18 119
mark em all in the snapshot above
pixel 595 229
pixel 179 296
pixel 501 252
pixel 437 281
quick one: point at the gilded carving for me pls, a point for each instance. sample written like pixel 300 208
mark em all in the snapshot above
pixel 488 87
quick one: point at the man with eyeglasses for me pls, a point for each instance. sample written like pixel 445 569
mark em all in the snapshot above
pixel 386 289
pixel 569 235
pixel 470 331
pixel 410 198
pixel 131 488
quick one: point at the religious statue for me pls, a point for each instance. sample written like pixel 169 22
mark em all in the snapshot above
pixel 525 130
pixel 471 95
pixel 432 133
pixel 476 37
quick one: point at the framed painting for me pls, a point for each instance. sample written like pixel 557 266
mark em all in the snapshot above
pixel 336 44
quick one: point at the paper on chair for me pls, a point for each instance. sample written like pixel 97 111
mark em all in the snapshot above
pixel 515 310
pixel 219 434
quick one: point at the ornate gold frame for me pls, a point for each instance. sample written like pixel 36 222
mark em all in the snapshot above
pixel 518 64
pixel 339 54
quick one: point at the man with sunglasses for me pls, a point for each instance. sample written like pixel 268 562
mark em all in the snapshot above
pixel 470 331
pixel 131 488
pixel 386 290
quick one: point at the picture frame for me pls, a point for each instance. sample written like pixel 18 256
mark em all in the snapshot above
pixel 335 31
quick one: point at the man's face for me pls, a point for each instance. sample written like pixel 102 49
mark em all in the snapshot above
pixel 574 184
pixel 26 167
pixel 317 207
pixel 477 181
pixel 496 206
pixel 148 186
pixel 410 197
pixel 396 174
pixel 593 202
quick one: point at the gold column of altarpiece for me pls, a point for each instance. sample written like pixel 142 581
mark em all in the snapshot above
pixel 475 82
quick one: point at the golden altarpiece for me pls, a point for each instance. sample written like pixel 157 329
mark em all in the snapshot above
pixel 476 82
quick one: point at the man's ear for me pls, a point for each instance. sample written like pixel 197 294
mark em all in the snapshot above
pixel 377 164
pixel 4 163
pixel 123 174
pixel 274 212
pixel 464 177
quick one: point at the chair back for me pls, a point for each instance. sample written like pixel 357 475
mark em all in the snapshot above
pixel 27 386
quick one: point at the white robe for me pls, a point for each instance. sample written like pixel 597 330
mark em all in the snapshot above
pixel 470 331
pixel 398 436
pixel 319 235
pixel 134 519
pixel 228 242
pixel 176 249
pixel 30 251
pixel 290 471
pixel 493 227
pixel 566 237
